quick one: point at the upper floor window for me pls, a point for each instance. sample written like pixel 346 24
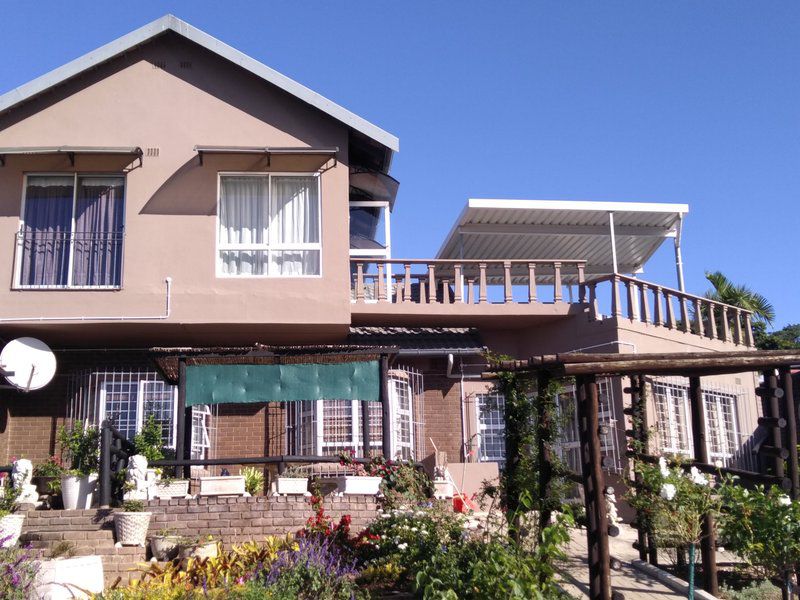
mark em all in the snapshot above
pixel 71 232
pixel 269 225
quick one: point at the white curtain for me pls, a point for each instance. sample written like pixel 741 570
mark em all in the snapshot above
pixel 243 219
pixel 273 225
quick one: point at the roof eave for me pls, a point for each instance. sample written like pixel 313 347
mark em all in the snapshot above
pixel 172 23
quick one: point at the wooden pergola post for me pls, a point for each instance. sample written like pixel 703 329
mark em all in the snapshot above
pixel 593 486
pixel 790 414
pixel 365 428
pixel 708 543
pixel 544 439
pixel 638 412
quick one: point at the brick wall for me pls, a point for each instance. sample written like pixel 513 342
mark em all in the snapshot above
pixel 443 415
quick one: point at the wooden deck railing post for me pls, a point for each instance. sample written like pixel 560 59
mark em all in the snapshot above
pixel 670 312
pixel 581 283
pixel 712 320
pixel 557 294
pixel 359 282
pixel 482 297
pixel 458 284
pixel 644 292
pixel 685 324
pixel 737 313
pixel 616 309
pixel 708 544
pixel 508 291
pixel 470 291
pixel 748 325
pixel 726 326
pixel 446 291
pixel 658 312
pixel 407 283
pixel 431 283
pixel 381 283
pixel 531 282
pixel 630 289
pixel 698 315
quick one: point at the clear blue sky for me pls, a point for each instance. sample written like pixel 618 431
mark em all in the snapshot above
pixel 691 102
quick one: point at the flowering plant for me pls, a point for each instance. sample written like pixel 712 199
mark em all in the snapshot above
pixel 762 526
pixel 52 467
pixel 18 568
pixel 348 459
pixel 672 502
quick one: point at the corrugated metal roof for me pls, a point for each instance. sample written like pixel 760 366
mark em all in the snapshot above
pixel 569 230
pixel 172 23
pixel 427 340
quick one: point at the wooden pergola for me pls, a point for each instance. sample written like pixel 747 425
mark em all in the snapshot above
pixel 780 419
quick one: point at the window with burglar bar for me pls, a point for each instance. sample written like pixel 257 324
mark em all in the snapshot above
pixel 71 232
pixel 674 425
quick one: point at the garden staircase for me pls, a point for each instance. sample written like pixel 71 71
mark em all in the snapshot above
pixel 82 533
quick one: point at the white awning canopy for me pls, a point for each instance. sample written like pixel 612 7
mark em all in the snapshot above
pixel 604 234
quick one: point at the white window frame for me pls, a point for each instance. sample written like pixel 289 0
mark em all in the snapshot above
pixel 141 384
pixel 674 392
pixel 17 285
pixel 267 247
pixel 497 429
pixel 356 439
pixel 201 449
pixel 714 400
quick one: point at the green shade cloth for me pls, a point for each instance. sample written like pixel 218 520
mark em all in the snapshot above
pixel 237 384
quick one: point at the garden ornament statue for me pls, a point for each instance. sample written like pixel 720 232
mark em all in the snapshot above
pixel 21 475
pixel 137 483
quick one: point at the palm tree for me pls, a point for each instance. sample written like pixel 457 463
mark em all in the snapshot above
pixel 740 296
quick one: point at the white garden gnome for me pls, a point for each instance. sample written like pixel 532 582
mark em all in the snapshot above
pixel 137 483
pixel 21 476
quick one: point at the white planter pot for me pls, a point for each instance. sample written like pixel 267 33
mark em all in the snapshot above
pixel 200 551
pixel 164 547
pixel 291 485
pixel 230 485
pixel 177 488
pixel 78 492
pixel 10 530
pixel 132 528
pixel 69 578
pixel 357 484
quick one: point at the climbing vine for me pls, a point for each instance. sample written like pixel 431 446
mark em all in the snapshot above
pixel 533 422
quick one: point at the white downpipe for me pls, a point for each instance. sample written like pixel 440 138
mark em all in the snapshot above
pixel 613 241
pixel 167 311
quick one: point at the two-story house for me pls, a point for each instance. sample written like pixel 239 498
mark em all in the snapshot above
pixel 167 203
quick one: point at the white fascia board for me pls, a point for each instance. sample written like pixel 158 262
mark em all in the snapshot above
pixel 172 23
pixel 587 205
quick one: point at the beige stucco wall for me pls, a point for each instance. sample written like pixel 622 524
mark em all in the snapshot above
pixel 171 199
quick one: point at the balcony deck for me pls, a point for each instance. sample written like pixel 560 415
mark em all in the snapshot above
pixel 506 293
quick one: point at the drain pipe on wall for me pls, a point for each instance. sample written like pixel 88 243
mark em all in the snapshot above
pixel 461 377
pixel 167 311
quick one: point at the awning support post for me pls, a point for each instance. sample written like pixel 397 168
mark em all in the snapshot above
pixel 386 412
pixel 365 428
pixel 182 411
pixel 613 241
pixel 678 256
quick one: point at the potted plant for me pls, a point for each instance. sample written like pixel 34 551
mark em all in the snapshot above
pixel 82 446
pixel 253 480
pixel 164 545
pixel 198 547
pixel 47 476
pixel 131 524
pixel 358 481
pixel 292 481
pixel 10 520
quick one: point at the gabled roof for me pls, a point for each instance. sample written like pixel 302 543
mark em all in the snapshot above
pixel 171 23
pixel 563 229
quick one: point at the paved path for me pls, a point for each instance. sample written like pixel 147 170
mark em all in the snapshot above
pixel 632 583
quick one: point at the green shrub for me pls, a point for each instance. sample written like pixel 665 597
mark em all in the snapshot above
pixel 149 441
pixel 253 480
pixel 82 447
pixel 763 590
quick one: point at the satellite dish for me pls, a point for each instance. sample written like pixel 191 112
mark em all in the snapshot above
pixel 29 361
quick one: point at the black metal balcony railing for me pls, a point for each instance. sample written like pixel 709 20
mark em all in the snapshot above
pixel 69 260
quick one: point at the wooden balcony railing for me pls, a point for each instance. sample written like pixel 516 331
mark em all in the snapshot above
pixel 666 307
pixel 420 281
